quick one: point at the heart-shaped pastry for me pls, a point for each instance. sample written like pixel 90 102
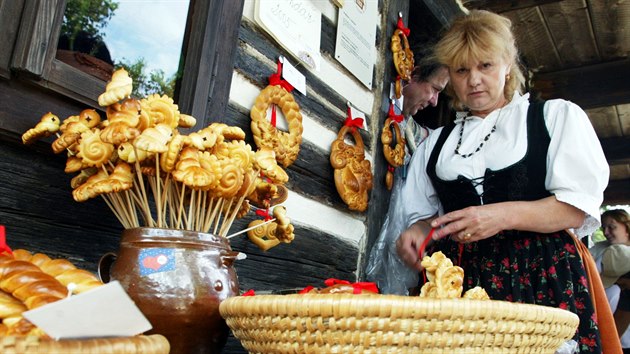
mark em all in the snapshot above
pixel 263 236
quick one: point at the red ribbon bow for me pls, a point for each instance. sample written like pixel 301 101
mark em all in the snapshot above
pixel 264 213
pixel 402 27
pixel 3 242
pixel 392 114
pixel 249 292
pixel 358 287
pixel 306 289
pixel 353 123
pixel 276 79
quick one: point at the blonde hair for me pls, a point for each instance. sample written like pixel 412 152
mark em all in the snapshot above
pixel 480 35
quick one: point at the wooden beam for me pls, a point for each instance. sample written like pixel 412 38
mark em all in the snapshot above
pixel 499 6
pixel 616 149
pixel 617 192
pixel 589 86
pixel 435 11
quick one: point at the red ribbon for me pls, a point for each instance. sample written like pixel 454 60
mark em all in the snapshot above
pixel 306 289
pixel 352 123
pixel 390 168
pixel 264 213
pixel 402 27
pixel 249 292
pixel 3 242
pixel 392 114
pixel 276 79
pixel 273 115
pixel 358 286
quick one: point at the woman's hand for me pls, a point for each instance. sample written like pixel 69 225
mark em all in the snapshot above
pixel 480 222
pixel 409 242
pixel 471 224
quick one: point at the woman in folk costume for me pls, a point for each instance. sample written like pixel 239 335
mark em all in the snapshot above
pixel 500 185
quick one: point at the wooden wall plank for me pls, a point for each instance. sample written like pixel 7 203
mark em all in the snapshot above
pixel 570 28
pixel 605 121
pixel 611 27
pixel 10 14
pixel 500 6
pixel 617 192
pixel 589 86
pixel 33 45
pixel 532 34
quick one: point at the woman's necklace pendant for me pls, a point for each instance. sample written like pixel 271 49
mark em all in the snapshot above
pixel 461 134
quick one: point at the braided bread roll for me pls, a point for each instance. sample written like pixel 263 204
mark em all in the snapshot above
pixel 62 270
pixel 9 305
pixel 29 284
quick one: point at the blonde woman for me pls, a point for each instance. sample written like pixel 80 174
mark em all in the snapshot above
pixel 501 183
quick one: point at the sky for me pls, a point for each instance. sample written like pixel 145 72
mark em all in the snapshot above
pixel 152 29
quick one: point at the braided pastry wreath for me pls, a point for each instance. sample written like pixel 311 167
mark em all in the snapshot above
pixel 286 145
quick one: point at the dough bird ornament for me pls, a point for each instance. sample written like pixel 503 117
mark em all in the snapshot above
pixel 391 134
pixel 353 173
pixel 286 145
pixel 402 54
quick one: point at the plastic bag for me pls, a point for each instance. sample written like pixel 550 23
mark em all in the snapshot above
pixel 384 266
pixel 568 347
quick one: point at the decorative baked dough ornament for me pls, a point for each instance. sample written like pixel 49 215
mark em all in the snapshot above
pixel 286 145
pixel 401 54
pixel 395 156
pixel 271 231
pixel 353 173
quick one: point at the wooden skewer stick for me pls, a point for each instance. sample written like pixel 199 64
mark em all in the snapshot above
pixel 250 228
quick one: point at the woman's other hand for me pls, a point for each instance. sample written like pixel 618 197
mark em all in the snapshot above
pixel 409 242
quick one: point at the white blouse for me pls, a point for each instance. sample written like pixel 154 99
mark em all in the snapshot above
pixel 577 170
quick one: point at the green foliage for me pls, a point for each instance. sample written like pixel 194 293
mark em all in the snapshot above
pixel 143 86
pixel 88 16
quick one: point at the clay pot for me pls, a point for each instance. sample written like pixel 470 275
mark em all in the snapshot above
pixel 178 279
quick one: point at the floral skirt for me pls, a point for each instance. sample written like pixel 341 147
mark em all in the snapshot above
pixel 542 269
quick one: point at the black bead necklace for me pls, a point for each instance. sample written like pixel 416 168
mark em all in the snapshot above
pixel 461 134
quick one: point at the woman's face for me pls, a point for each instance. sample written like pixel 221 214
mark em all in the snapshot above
pixel 615 231
pixel 479 84
pixel 419 95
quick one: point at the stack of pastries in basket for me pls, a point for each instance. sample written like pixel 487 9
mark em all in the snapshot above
pixel 200 181
pixel 28 281
pixel 445 280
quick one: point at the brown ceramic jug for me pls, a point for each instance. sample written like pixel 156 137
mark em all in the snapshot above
pixel 178 279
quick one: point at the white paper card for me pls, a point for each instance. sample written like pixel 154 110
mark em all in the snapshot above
pixel 106 311
pixel 293 76
pixel 355 113
pixel 295 25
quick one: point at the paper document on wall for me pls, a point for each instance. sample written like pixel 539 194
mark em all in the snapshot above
pixel 295 25
pixel 356 38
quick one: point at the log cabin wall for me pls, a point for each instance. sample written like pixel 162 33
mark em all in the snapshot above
pixel 36 204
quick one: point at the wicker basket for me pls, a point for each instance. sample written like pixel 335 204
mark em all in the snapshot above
pixel 152 344
pixel 345 323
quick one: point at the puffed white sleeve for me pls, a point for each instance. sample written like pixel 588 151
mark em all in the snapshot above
pixel 577 170
pixel 418 195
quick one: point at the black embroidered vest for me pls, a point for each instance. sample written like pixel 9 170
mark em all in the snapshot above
pixel 524 180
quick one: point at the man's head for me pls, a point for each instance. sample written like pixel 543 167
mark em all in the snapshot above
pixel 427 81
